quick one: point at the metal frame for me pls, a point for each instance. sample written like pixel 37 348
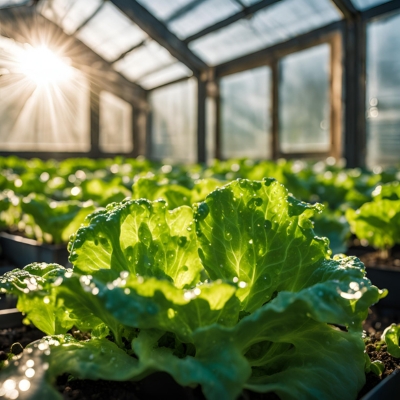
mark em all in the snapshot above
pixel 351 59
pixel 233 18
pixel 158 31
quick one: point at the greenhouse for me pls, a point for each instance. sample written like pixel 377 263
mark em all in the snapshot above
pixel 200 199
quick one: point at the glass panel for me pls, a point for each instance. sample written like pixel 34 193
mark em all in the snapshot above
pixel 163 9
pixel 165 75
pixel 8 3
pixel 115 124
pixel 110 33
pixel 144 60
pixel 174 122
pixel 304 106
pixel 383 91
pixel 365 4
pixel 39 116
pixel 205 14
pixel 245 114
pixel 69 14
pixel 274 24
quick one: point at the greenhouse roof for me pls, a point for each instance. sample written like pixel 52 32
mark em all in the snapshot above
pixel 155 42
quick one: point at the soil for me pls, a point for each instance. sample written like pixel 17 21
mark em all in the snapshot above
pixel 373 258
pixel 24 334
pixel 77 389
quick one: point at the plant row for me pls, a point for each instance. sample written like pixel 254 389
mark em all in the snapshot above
pixel 48 200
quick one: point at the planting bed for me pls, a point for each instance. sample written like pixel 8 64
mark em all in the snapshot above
pixel 21 251
pixel 227 284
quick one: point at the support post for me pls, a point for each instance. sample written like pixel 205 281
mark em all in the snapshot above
pixel 355 92
pixel 275 110
pixel 94 120
pixel 201 118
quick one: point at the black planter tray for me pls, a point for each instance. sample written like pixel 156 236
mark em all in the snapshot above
pixel 389 388
pixel 10 318
pixel 21 251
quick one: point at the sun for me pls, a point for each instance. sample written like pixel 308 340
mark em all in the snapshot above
pixel 43 66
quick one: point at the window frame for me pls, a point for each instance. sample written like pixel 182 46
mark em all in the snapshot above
pixel 271 57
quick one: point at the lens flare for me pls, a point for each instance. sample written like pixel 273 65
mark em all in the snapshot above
pixel 44 67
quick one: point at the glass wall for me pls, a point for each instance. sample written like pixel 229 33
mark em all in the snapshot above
pixel 173 123
pixel 383 91
pixel 115 124
pixel 304 105
pixel 245 114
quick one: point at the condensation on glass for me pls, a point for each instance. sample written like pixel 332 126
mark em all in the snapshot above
pixel 115 124
pixel 245 114
pixel 383 91
pixel 42 118
pixel 304 104
pixel 171 137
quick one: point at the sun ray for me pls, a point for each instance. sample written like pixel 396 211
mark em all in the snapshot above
pixel 45 88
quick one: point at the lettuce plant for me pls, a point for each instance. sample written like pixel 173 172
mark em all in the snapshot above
pixel 378 222
pixel 236 292
pixel 57 219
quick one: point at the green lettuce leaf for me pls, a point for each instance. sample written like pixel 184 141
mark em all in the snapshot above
pixel 391 336
pixel 378 222
pixel 56 218
pixel 389 191
pixel 151 303
pixel 139 237
pixel 52 298
pixel 254 233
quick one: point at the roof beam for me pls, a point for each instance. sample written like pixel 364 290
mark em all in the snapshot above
pixel 159 32
pixel 347 8
pixel 184 10
pixel 384 8
pixel 233 18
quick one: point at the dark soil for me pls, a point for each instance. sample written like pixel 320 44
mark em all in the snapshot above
pixel 377 351
pixel 23 334
pixel 165 387
pixel 373 258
